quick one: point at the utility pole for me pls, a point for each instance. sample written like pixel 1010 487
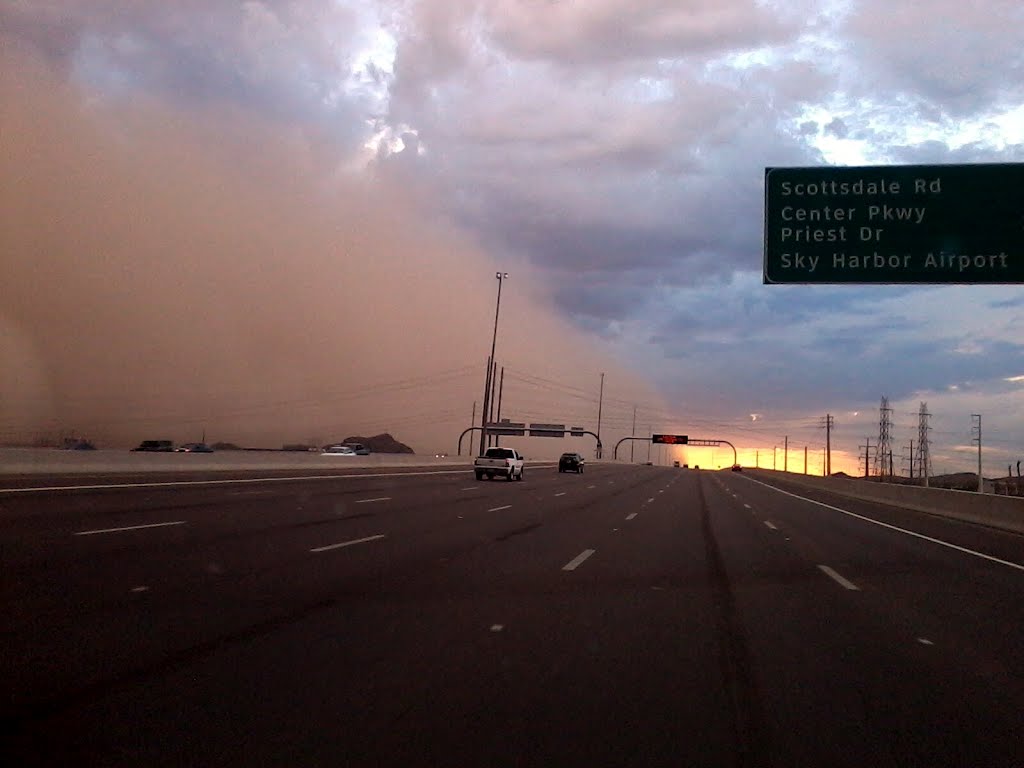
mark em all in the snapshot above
pixel 632 434
pixel 911 459
pixel 775 460
pixel 600 402
pixel 472 421
pixel 650 433
pixel 757 459
pixel 501 390
pixel 829 422
pixel 805 459
pixel 977 430
pixel 867 457
pixel 785 454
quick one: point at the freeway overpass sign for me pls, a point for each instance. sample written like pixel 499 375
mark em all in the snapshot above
pixel 912 224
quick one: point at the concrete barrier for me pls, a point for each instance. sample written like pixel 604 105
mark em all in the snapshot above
pixel 1005 512
pixel 55 461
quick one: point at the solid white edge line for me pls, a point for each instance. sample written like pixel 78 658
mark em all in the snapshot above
pixel 839 579
pixel 498 509
pixel 234 481
pixel 367 501
pixel 348 543
pixel 577 561
pixel 771 525
pixel 940 542
pixel 129 528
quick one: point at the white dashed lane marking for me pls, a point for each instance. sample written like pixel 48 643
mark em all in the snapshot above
pixel 130 528
pixel 348 543
pixel 845 583
pixel 577 561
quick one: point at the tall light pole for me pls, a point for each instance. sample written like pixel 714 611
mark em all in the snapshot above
pixel 500 276
pixel 600 401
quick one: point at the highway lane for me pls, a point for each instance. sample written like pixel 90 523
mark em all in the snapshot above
pixel 632 615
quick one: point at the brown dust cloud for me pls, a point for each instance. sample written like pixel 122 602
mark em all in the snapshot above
pixel 169 273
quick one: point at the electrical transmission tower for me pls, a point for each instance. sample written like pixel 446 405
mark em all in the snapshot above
pixel 924 468
pixel 883 450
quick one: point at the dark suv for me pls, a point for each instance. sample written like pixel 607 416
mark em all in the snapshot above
pixel 571 462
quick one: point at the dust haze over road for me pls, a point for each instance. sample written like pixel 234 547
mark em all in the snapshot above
pixel 172 270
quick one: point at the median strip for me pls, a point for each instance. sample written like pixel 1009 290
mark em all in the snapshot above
pixel 577 561
pixel 129 528
pixel 348 543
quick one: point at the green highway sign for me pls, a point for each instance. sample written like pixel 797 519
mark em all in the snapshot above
pixel 912 224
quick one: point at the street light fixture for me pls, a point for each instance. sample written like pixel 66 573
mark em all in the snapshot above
pixel 500 277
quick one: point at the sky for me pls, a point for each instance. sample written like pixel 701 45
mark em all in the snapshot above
pixel 280 220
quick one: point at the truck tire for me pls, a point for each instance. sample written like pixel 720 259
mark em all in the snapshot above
pixel 522 472
pixel 479 475
pixel 511 474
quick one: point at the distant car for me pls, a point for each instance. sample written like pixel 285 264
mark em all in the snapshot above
pixel 161 446
pixel 696 466
pixel 648 463
pixel 675 464
pixel 195 448
pixel 358 448
pixel 737 468
pixel 339 450
pixel 440 455
pixel 571 462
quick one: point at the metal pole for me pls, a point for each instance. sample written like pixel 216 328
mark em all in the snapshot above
pixel 805 459
pixel 493 439
pixel 828 444
pixel 600 402
pixel 757 459
pixel 785 455
pixel 501 390
pixel 981 481
pixel 649 435
pixel 483 412
pixel 501 276
pixel 775 449
pixel 632 434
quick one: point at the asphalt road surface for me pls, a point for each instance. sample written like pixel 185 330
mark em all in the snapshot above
pixel 631 615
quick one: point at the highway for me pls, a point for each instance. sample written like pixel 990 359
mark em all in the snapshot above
pixel 628 616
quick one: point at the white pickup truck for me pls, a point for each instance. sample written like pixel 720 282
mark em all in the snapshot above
pixel 504 462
